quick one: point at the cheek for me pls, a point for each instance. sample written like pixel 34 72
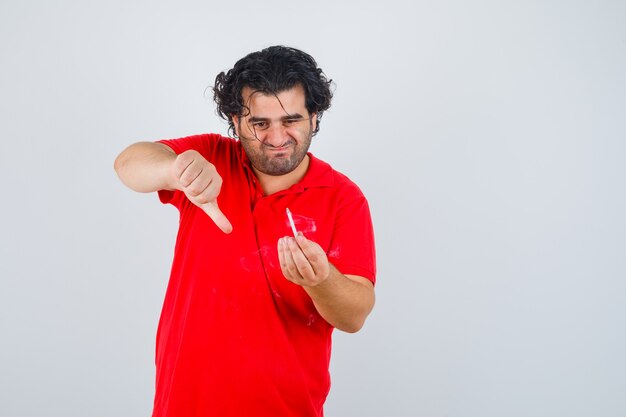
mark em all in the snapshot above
pixel 241 130
pixel 246 132
pixel 249 148
pixel 302 134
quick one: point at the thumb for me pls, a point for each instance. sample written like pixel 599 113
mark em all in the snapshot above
pixel 220 220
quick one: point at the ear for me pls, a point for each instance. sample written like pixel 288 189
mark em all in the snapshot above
pixel 235 120
pixel 314 121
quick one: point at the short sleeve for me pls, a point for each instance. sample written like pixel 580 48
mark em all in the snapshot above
pixel 352 249
pixel 204 144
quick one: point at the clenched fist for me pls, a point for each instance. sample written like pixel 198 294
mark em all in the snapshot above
pixel 201 183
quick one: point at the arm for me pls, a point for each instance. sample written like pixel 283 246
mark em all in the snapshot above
pixel 343 300
pixel 147 166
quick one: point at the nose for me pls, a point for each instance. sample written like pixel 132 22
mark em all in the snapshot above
pixel 276 135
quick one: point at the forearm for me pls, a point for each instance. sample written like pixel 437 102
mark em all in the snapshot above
pixel 343 301
pixel 146 167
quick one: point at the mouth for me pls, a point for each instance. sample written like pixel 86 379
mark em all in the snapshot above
pixel 280 150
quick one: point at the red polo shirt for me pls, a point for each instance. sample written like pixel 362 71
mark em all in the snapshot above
pixel 235 337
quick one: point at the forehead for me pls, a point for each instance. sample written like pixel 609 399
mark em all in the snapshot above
pixel 290 101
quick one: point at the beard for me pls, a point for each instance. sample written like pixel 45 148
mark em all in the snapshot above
pixel 269 162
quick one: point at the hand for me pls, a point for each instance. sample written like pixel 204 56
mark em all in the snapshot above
pixel 201 183
pixel 303 261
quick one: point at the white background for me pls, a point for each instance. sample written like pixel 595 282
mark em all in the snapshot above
pixel 488 136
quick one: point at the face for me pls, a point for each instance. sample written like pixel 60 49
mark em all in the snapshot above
pixel 276 132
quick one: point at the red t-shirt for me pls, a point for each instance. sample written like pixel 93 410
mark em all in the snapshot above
pixel 236 338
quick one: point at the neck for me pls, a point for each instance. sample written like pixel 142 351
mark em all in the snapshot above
pixel 273 183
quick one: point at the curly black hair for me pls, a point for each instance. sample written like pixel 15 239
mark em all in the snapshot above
pixel 271 71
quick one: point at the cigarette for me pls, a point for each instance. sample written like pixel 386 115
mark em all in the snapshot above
pixel 293 226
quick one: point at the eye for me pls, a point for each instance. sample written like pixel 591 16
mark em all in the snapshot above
pixel 291 122
pixel 260 125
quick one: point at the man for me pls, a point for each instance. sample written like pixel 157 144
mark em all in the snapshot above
pixel 248 314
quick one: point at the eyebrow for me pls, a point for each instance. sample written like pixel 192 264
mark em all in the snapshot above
pixel 293 116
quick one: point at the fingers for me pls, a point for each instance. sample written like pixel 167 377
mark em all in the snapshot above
pixel 187 166
pixel 311 250
pixel 289 266
pixel 197 177
pixel 217 216
pixel 201 183
pixel 204 189
pixel 302 261
pixel 294 263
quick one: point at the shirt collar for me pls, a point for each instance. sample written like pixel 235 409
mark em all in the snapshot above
pixel 319 174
